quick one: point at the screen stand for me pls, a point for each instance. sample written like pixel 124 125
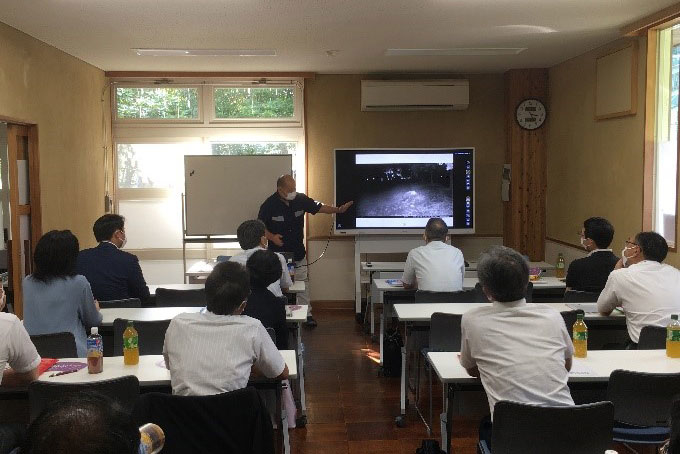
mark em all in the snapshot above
pixel 367 244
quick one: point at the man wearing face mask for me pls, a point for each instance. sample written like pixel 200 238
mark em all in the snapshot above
pixel 590 273
pixel 112 273
pixel 647 289
pixel 283 213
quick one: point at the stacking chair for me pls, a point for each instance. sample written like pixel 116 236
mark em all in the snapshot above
pixel 166 297
pixel 464 296
pixel 652 338
pixel 642 405
pixel 233 422
pixel 151 336
pixel 445 336
pixel 533 429
pixel 125 390
pixel 574 296
pixel 57 345
pixel 130 302
pixel 569 318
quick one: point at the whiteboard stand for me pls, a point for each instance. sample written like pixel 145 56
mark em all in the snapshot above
pixel 366 244
pixel 196 239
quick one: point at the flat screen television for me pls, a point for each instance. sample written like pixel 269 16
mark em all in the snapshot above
pixel 395 191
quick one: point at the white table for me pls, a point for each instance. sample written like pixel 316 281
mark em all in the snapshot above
pixel 298 287
pixel 151 371
pixel 381 287
pixel 596 368
pixel 422 313
pixel 297 317
pixel 472 266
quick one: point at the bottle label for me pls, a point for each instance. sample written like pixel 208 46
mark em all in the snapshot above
pixel 130 343
pixel 95 344
pixel 673 335
pixel 580 335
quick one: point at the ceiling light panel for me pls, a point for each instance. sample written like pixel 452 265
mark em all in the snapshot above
pixel 455 52
pixel 205 52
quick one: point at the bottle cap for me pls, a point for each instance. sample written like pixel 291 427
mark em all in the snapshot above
pixel 579 316
pixel 94 330
pixel 674 317
pixel 129 323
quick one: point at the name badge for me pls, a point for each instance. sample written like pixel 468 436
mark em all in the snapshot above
pixel 299 213
pixel 277 218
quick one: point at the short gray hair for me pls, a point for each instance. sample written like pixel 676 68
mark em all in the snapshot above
pixel 504 273
pixel 436 229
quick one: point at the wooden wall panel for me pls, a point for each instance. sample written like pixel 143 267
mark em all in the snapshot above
pixel 526 152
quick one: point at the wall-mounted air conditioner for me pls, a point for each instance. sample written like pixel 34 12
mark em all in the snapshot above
pixel 438 94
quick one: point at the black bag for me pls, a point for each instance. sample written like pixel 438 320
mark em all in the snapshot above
pixel 429 447
pixel 392 354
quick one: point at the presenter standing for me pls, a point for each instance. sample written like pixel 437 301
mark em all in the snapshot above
pixel 283 213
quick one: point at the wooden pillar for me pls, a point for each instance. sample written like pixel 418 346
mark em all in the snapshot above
pixel 526 152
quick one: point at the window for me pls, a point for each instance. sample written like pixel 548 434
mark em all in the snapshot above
pixel 666 133
pixel 259 103
pixel 158 126
pixel 157 103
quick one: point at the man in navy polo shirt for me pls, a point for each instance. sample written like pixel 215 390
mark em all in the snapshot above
pixel 283 213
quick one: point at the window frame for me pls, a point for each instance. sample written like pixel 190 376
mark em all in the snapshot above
pixel 149 121
pixel 298 105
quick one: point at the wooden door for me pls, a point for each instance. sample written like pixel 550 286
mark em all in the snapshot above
pixel 24 203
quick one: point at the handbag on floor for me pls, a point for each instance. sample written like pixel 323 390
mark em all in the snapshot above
pixel 429 447
pixel 392 354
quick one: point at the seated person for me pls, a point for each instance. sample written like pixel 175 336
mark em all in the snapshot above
pixel 16 350
pixel 112 273
pixel 215 351
pixel 437 266
pixel 56 298
pixel 251 238
pixel 522 352
pixel 646 289
pixel 590 273
pixel 264 268
pixel 82 423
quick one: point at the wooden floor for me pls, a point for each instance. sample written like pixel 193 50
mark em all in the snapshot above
pixel 350 408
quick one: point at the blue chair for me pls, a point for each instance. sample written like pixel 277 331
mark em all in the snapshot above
pixel 642 405
pixel 532 429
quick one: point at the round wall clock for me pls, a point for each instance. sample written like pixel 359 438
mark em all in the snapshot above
pixel 530 114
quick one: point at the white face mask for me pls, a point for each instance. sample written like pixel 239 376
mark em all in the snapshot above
pixel 291 195
pixel 124 242
pixel 583 243
pixel 624 259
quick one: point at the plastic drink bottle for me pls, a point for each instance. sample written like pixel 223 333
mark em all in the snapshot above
pixel 560 272
pixel 130 345
pixel 291 270
pixel 152 439
pixel 580 337
pixel 673 338
pixel 95 352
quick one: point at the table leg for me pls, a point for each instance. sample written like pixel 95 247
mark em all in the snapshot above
pixel 449 419
pixel 301 374
pixel 382 334
pixel 372 318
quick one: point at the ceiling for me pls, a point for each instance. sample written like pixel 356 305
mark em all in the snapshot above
pixel 103 32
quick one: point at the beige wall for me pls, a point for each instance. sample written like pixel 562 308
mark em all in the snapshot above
pixel 42 85
pixel 335 120
pixel 594 167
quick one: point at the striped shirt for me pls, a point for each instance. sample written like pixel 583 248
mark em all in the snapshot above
pixel 211 354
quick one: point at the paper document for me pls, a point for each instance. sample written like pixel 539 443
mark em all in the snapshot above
pixel 395 282
pixel 588 308
pixel 580 369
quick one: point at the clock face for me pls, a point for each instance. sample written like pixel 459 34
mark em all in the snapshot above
pixel 531 114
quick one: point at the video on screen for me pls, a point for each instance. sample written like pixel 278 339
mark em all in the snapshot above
pixel 402 189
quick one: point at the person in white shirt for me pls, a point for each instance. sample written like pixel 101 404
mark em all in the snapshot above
pixel 251 237
pixel 646 289
pixel 16 350
pixel 522 352
pixel 437 266
pixel 215 351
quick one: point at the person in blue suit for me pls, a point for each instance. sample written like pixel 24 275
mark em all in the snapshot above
pixel 113 274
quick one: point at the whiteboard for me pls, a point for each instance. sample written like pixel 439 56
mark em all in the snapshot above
pixel 223 191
